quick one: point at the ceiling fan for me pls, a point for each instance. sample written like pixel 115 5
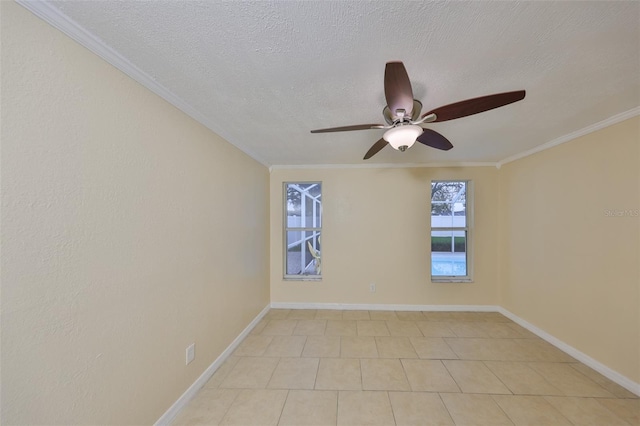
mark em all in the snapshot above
pixel 402 114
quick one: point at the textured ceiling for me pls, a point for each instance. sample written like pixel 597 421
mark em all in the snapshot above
pixel 265 73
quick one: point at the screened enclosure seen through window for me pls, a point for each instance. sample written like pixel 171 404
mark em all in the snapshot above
pixel 303 230
pixel 450 231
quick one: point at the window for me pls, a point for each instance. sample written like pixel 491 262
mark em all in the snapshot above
pixel 450 231
pixel 302 230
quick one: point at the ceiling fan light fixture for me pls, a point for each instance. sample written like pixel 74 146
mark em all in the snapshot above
pixel 402 137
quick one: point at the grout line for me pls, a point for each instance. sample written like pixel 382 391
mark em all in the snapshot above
pixel 230 405
pixel 451 375
pixel 502 409
pixel 445 406
pixel 393 412
pixel 283 405
pixel 442 361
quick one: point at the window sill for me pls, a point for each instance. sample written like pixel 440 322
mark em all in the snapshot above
pixel 302 278
pixel 451 280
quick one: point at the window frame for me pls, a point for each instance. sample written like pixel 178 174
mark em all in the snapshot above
pixel 286 229
pixel 468 228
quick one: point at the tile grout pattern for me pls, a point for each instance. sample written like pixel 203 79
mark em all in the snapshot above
pixel 330 367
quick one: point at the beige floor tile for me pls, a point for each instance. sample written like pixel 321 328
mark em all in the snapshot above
pixel 475 377
pixel 383 374
pixel 207 408
pixel 364 408
pixel 609 385
pixel 404 328
pixel 310 408
pixel 467 329
pixel 495 317
pixel 438 316
pixel 530 410
pixel 395 347
pixel 294 373
pixel 295 365
pixel 250 373
pixel 419 408
pixel 222 372
pixel 339 374
pixel 461 316
pixel 313 327
pixel 585 411
pixel 570 381
pixel 435 329
pixel 521 379
pixel 526 334
pixel 539 350
pixel 341 328
pixel 355 315
pixel 300 314
pixel 432 348
pixel 286 346
pixel 488 349
pixel 472 410
pixel 258 407
pixel 410 316
pixel 383 315
pixel 322 347
pixel 358 347
pixel 253 345
pixel 372 328
pixel 277 314
pixel 259 326
pixel 279 327
pixel 329 314
pixel 627 409
pixel 501 330
pixel 429 376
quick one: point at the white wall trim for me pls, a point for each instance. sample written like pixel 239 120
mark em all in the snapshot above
pixel 54 17
pixel 571 136
pixel 380 165
pixel 385 307
pixel 570 350
pixel 609 373
pixel 184 399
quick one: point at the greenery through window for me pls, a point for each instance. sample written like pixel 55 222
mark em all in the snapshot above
pixel 450 231
pixel 303 230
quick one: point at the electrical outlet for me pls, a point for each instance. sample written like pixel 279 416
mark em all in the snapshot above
pixel 191 353
pixel 372 287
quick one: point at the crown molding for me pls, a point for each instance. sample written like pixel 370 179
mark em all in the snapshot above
pixel 54 17
pixel 573 135
pixel 379 165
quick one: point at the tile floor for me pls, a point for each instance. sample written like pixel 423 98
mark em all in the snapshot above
pixel 325 367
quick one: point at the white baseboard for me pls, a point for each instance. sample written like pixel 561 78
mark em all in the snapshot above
pixel 610 374
pixel 385 307
pixel 184 399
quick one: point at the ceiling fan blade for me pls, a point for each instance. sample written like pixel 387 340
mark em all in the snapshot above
pixel 375 148
pixel 475 105
pixel 348 128
pixel 434 140
pixel 397 88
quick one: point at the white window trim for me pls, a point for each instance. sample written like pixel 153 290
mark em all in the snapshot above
pixel 285 228
pixel 469 229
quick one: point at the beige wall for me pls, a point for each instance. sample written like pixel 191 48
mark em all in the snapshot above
pixel 376 229
pixel 566 266
pixel 128 232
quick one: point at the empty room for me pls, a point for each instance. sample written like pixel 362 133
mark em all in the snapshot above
pixel 319 213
